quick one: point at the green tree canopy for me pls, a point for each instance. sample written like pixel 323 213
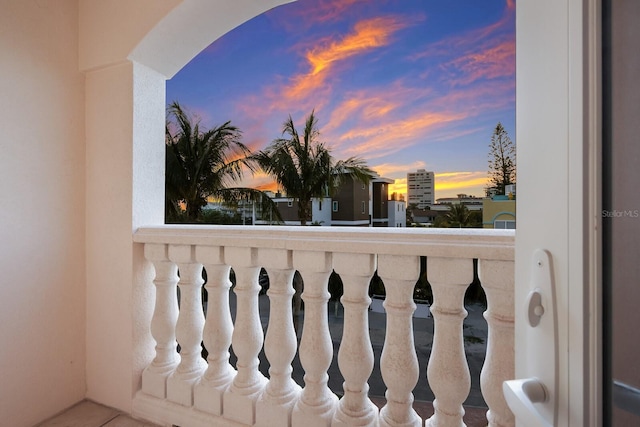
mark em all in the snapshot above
pixel 502 161
pixel 304 168
pixel 202 163
pixel 458 215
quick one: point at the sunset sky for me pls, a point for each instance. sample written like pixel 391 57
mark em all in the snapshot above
pixel 404 84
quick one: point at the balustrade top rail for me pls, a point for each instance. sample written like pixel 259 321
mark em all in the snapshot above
pixel 447 242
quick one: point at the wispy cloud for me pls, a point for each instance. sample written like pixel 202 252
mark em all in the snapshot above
pixel 455 181
pixel 482 53
pixel 307 14
pixel 322 59
pixel 393 169
pixel 489 63
pixel 374 141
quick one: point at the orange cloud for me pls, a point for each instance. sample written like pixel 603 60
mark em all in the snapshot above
pixel 316 12
pixel 366 35
pixel 472 40
pixel 399 186
pixel 372 141
pixel 452 183
pixel 492 62
pixel 362 106
pixel 391 169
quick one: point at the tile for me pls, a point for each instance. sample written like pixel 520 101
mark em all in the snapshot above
pixel 125 421
pixel 83 414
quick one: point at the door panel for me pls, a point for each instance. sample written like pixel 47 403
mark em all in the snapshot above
pixel 557 141
pixel 622 208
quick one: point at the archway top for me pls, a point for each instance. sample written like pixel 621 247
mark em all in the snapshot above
pixel 163 35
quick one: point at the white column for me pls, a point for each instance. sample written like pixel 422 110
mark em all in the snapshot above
pixel 355 356
pixel 217 332
pixel 399 362
pixel 448 372
pixel 239 400
pixel 317 403
pixel 189 328
pixel 275 404
pixel 163 323
pixel 498 281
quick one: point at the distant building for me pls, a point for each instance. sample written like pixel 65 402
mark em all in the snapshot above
pixel 420 188
pixel 426 216
pixel 350 205
pixel 472 203
pixel 397 212
pixel 354 204
pixel 380 201
pixel 499 211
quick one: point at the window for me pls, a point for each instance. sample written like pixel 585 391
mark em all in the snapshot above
pixel 363 207
pixel 320 205
pixel 504 224
pixel 335 205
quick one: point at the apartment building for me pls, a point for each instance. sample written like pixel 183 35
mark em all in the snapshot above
pixel 420 188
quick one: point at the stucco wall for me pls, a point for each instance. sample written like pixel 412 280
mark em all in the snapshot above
pixel 42 261
pixel 493 210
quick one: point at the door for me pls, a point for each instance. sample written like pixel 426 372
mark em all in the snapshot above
pixel 621 210
pixel 558 259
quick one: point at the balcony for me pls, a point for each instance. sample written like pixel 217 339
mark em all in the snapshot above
pixel 181 388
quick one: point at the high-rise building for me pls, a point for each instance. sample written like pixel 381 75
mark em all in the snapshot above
pixel 420 188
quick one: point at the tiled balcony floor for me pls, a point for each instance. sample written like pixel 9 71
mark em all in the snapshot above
pixel 90 414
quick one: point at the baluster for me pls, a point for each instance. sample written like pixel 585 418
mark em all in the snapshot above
pixel 399 362
pixel 497 278
pixel 447 371
pixel 355 357
pixel 276 402
pixel 163 323
pixel 218 328
pixel 189 327
pixel 239 399
pixel 317 403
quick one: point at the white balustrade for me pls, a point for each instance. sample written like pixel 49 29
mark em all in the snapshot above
pixel 163 323
pixel 240 398
pixel 497 279
pixel 355 357
pixel 399 362
pixel 185 389
pixel 276 402
pixel 218 329
pixel 189 327
pixel 317 403
pixel 448 372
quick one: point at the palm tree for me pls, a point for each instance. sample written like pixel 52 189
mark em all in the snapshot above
pixel 458 215
pixel 303 167
pixel 201 164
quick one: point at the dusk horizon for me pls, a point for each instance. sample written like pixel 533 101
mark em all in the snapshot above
pixel 405 85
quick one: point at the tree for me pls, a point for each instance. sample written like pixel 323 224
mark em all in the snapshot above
pixel 200 164
pixel 411 207
pixel 458 215
pixel 303 167
pixel 502 161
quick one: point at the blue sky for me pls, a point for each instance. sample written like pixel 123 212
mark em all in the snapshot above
pixel 404 84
